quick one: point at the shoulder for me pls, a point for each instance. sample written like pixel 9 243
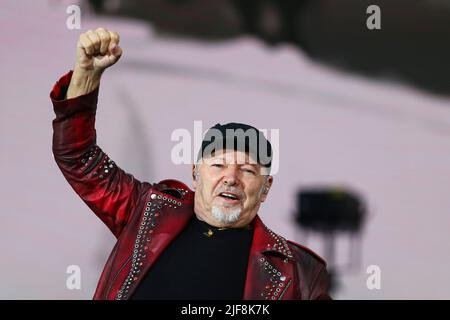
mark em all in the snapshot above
pixel 168 184
pixel 301 254
pixel 302 250
pixel 172 187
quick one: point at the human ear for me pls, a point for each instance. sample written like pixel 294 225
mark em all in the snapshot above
pixel 194 176
pixel 266 188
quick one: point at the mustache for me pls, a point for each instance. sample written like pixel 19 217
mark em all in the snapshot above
pixel 234 190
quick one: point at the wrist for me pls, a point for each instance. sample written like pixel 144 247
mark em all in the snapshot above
pixel 83 82
pixel 86 77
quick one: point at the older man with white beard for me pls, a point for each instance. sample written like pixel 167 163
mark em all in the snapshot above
pixel 230 182
pixel 172 242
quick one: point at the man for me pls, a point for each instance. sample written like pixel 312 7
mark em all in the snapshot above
pixel 174 243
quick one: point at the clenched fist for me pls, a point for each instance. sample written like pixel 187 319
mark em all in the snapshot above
pixel 96 51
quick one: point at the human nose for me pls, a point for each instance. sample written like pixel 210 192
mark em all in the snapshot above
pixel 230 177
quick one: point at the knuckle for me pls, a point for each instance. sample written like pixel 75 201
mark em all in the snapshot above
pixel 104 36
pixel 115 36
pixel 93 36
pixel 95 43
pixel 86 44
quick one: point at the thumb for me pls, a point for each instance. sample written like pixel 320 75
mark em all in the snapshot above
pixel 115 53
pixel 115 50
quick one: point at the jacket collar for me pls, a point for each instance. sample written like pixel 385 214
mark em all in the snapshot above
pixel 268 242
pixel 270 270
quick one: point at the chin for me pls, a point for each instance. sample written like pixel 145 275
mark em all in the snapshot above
pixel 226 215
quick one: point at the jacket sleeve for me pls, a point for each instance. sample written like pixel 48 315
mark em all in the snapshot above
pixel 107 190
pixel 320 287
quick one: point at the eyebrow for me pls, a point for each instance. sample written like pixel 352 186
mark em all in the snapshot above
pixel 255 165
pixel 222 160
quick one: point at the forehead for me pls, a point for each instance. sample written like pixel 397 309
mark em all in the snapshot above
pixel 231 157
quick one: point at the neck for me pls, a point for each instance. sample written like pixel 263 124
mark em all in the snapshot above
pixel 214 223
pixel 211 221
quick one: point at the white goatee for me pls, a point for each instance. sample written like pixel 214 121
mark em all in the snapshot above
pixel 226 216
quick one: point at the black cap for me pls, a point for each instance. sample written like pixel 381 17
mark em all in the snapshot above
pixel 237 136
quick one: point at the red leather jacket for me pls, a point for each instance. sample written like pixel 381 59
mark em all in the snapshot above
pixel 146 217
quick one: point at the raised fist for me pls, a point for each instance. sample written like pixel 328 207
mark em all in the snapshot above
pixel 98 49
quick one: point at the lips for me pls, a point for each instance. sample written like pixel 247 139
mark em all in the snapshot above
pixel 230 196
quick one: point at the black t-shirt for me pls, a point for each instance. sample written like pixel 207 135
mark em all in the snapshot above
pixel 197 266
